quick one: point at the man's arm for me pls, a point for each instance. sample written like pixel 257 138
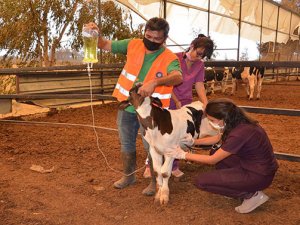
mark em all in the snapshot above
pixel 104 44
pixel 174 78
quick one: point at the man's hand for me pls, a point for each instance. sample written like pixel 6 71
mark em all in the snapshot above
pixel 147 88
pixel 176 153
pixel 93 26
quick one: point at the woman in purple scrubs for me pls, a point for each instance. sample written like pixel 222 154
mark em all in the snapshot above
pixel 243 155
pixel 193 72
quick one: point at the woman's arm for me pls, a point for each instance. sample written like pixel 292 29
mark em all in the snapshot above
pixel 176 101
pixel 200 89
pixel 210 140
pixel 219 155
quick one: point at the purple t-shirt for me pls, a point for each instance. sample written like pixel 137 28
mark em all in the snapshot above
pixel 190 76
pixel 252 145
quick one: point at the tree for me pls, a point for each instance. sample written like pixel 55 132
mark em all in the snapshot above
pixel 244 55
pixel 33 30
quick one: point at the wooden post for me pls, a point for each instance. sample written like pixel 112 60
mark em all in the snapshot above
pixel 5 106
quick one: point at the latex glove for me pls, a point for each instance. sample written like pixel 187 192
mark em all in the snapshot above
pixel 187 140
pixel 176 153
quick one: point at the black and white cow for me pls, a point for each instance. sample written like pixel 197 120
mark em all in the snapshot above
pixel 215 75
pixel 252 76
pixel 163 129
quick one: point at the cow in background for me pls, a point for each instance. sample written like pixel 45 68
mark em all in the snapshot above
pixel 214 75
pixel 252 76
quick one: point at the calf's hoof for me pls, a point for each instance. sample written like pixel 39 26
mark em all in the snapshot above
pixel 157 196
pixel 164 197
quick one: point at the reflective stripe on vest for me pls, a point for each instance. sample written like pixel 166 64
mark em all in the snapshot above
pixel 128 75
pixel 161 96
pixel 122 90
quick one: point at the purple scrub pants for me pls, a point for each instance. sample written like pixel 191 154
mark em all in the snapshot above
pixel 230 179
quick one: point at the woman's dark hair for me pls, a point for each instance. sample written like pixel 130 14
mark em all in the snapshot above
pixel 158 24
pixel 206 42
pixel 226 110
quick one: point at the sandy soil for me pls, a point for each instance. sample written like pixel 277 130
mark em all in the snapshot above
pixel 79 188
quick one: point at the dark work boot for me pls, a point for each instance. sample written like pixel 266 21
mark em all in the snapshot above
pixel 129 160
pixel 151 189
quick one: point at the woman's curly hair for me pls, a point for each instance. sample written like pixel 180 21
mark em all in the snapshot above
pixel 206 42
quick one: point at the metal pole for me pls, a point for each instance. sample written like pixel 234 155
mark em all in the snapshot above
pixel 261 29
pixel 239 35
pixel 165 8
pixel 275 44
pixel 208 18
pixel 100 27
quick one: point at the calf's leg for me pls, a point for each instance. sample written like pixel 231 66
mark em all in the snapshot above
pixel 251 83
pixel 259 86
pixel 166 170
pixel 157 163
pixel 233 86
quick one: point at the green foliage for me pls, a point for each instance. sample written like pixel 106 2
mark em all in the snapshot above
pixel 31 31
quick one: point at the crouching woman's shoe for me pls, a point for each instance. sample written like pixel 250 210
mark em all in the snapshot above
pixel 252 203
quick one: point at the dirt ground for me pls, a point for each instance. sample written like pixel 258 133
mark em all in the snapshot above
pixel 78 188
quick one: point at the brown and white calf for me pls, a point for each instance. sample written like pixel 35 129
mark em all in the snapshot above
pixel 252 76
pixel 163 129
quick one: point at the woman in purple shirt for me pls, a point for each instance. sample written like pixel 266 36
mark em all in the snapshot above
pixel 243 155
pixel 192 66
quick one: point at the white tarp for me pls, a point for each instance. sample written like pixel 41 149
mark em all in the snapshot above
pixel 185 14
pixel 187 18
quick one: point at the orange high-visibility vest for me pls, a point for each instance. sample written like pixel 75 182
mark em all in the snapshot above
pixel 135 58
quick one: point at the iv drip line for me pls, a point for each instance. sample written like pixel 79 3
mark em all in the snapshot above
pixel 89 67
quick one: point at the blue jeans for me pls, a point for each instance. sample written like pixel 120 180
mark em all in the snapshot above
pixel 128 126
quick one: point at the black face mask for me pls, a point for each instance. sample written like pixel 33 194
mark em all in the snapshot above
pixel 150 45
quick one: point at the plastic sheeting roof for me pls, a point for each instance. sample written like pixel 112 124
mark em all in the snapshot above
pixel 191 16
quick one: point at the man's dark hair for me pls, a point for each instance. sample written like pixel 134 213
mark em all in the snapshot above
pixel 158 24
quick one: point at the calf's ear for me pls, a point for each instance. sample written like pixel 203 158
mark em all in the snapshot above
pixel 123 105
pixel 156 101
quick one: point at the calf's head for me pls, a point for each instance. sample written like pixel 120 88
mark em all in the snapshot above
pixel 136 100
